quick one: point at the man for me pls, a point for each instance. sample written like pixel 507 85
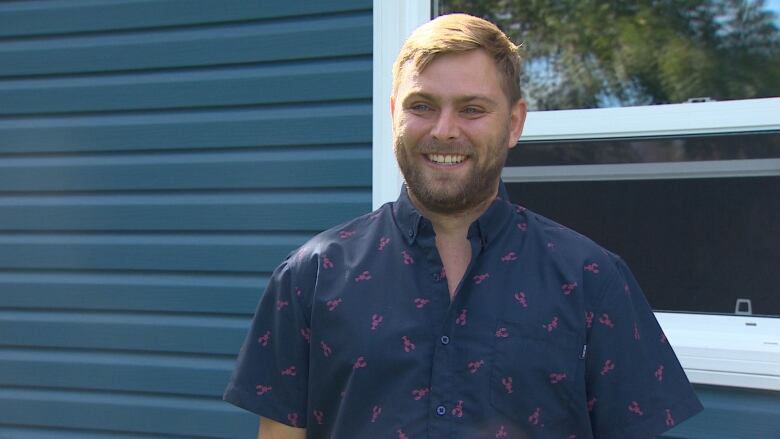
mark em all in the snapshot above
pixel 453 313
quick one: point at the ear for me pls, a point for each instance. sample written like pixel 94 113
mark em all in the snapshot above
pixel 516 121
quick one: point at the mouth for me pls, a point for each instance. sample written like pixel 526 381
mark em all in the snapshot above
pixel 446 159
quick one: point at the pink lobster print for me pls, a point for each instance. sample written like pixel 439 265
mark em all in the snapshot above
pixel 364 276
pixel 421 302
pixel 635 408
pixel 606 321
pixel 608 367
pixel 457 411
pixel 507 382
pixel 556 378
pixel 344 234
pixel 568 288
pixel 478 279
pixel 264 339
pixel 359 363
pixel 593 268
pixel 262 390
pixel 326 350
pixel 408 345
pixel 659 373
pixel 375 412
pixel 376 319
pixel 332 304
pixel 306 334
pixel 669 419
pixel 461 320
pixel 552 325
pixel 419 394
pixel 475 365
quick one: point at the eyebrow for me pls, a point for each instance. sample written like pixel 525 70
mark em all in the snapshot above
pixel 460 100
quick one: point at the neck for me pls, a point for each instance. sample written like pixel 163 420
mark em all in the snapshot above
pixel 453 225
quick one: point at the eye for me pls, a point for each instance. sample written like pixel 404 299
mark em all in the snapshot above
pixel 472 111
pixel 420 108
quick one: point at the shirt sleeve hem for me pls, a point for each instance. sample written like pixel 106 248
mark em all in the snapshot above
pixel 267 409
pixel 655 425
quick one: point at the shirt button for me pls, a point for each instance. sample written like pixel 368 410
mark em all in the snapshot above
pixel 441 410
pixel 445 339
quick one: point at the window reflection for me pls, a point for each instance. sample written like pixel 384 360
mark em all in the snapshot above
pixel 592 54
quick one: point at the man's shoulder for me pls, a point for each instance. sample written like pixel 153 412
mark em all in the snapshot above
pixel 345 237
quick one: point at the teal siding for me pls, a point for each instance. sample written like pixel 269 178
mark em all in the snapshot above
pixel 732 413
pixel 158 158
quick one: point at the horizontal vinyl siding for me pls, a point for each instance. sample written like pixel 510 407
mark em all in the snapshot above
pixel 158 159
pixel 732 413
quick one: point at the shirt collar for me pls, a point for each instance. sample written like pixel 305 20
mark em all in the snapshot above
pixel 487 226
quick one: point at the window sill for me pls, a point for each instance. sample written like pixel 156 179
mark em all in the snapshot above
pixel 736 351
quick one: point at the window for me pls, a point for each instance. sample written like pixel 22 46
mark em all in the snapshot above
pixel 715 164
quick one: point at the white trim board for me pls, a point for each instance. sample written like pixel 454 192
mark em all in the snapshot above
pixel 655 120
pixel 393 22
pixel 738 351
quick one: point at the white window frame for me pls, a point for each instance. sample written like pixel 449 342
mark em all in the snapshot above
pixel 738 351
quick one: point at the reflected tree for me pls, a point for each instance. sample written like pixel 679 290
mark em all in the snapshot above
pixel 589 53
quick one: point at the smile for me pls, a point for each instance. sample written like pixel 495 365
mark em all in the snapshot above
pixel 446 159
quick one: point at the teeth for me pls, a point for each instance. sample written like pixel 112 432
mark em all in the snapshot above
pixel 448 159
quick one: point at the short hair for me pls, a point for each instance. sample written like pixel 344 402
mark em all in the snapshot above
pixel 459 33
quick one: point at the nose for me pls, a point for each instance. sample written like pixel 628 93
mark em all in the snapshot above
pixel 446 126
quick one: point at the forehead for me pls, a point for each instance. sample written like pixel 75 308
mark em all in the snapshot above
pixel 461 74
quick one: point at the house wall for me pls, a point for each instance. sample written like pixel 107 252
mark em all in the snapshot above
pixel 157 160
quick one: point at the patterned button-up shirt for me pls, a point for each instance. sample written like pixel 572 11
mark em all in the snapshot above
pixel 548 336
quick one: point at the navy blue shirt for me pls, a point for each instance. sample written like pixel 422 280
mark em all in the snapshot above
pixel 548 336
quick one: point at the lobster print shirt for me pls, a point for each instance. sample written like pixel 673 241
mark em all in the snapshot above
pixel 548 336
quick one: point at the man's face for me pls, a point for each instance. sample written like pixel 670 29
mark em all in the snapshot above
pixel 452 130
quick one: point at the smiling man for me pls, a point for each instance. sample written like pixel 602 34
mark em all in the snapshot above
pixel 453 313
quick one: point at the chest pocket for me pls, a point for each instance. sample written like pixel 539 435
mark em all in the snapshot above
pixel 537 376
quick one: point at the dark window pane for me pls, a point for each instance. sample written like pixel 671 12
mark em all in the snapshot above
pixel 696 245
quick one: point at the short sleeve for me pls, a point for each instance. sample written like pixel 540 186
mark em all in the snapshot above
pixel 271 374
pixel 636 387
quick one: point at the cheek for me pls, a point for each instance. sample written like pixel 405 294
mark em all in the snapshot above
pixel 409 132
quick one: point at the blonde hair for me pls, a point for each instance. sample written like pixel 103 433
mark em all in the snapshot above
pixel 459 33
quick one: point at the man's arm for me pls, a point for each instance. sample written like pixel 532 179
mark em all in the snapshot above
pixel 270 429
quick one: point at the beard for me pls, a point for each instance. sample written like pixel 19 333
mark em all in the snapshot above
pixel 448 194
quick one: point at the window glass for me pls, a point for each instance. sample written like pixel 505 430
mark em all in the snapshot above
pixel 697 244
pixel 592 54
